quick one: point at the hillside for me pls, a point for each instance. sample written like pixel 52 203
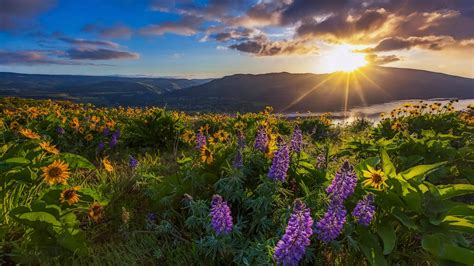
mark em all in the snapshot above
pixel 100 90
pixel 319 93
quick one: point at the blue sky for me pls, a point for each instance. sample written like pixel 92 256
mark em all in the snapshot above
pixel 213 38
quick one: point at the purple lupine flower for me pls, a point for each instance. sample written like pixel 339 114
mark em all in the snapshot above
pixel 113 141
pixel 106 131
pixel 364 210
pixel 280 162
pixel 343 184
pixel 200 141
pixel 60 130
pixel 133 163
pixel 261 140
pixel 332 223
pixel 117 133
pixel 221 216
pixel 238 160
pixel 151 217
pixel 290 249
pixel 296 140
pixel 321 161
pixel 100 146
pixel 241 141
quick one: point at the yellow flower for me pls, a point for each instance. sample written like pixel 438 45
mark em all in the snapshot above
pixel 89 137
pixel 95 212
pixel 70 196
pixel 107 165
pixel 272 145
pixel 374 178
pixel 75 123
pixel 188 136
pixel 49 147
pixel 95 119
pixel 204 129
pixel 396 125
pixel 206 155
pixel 55 173
pixel 27 133
pixel 14 125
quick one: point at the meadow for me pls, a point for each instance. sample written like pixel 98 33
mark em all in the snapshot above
pixel 83 185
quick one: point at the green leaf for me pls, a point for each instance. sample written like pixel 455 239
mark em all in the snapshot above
pixel 404 219
pixel 441 247
pixel 369 245
pixel 459 224
pixel 76 161
pixel 420 171
pixel 387 165
pixel 454 190
pixel 38 220
pixel 387 234
pixel 25 174
pixel 13 162
pixel 372 161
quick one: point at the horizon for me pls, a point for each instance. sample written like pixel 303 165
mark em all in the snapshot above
pixel 201 39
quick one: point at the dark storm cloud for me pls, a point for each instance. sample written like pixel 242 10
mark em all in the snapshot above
pixel 99 54
pixel 115 31
pixel 15 14
pixel 373 59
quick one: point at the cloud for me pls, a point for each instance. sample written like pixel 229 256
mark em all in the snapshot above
pixel 16 14
pixel 397 43
pixel 187 25
pixel 99 54
pixel 84 42
pixel 373 59
pixel 271 48
pixel 35 58
pixel 115 31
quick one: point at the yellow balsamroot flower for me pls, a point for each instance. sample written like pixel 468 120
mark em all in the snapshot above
pixel 188 136
pixel 95 119
pixel 70 196
pixel 14 125
pixel 49 147
pixel 221 135
pixel 95 212
pixel 27 133
pixel 89 137
pixel 75 123
pixel 206 155
pixel 107 165
pixel 272 146
pixel 56 173
pixel 204 129
pixel 397 126
pixel 471 106
pixel 374 178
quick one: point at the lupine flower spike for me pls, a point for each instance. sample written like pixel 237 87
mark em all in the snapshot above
pixel 291 248
pixel 296 140
pixel 343 184
pixel 364 210
pixel 221 216
pixel 332 223
pixel 261 140
pixel 280 163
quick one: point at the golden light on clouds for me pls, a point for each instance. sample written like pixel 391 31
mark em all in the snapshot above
pixel 342 58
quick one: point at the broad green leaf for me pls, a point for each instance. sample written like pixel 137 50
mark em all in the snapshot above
pixel 13 162
pixel 441 247
pixel 404 219
pixel 369 245
pixel 25 174
pixel 387 165
pixel 458 223
pixel 76 161
pixel 387 234
pixel 420 171
pixel 38 220
pixel 454 190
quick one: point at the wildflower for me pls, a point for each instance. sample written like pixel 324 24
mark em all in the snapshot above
pixel 343 184
pixel 75 123
pixel 60 131
pixel 27 133
pixel 261 140
pixel 100 146
pixel 200 141
pixel 188 136
pixel 95 212
pixel 106 131
pixel 221 216
pixel 89 137
pixel 291 248
pixel 49 147
pixel 107 165
pixel 241 141
pixel 238 160
pixel 206 155
pixel 296 140
pixel 14 125
pixel 271 146
pixel 375 178
pixel 280 162
pixel 113 141
pixel 332 223
pixel 396 126
pixel 55 173
pixel 321 161
pixel 70 196
pixel 132 162
pixel 364 210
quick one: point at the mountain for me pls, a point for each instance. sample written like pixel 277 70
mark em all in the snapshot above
pixel 318 92
pixel 99 90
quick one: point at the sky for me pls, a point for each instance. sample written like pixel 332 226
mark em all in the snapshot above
pixel 214 38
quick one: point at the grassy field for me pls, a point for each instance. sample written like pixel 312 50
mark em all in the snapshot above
pixel 122 186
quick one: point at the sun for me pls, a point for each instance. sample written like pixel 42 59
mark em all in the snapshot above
pixel 342 58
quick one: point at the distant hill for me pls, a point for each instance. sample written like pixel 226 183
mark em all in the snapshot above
pixel 318 92
pixel 100 90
